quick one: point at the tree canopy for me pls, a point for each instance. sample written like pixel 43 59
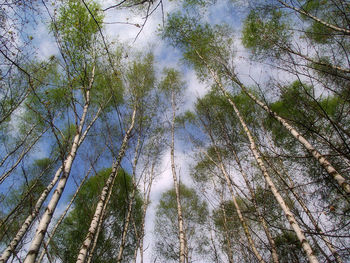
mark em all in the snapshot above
pixel 224 126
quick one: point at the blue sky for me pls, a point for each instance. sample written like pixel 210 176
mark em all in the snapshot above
pixel 166 56
pixel 43 46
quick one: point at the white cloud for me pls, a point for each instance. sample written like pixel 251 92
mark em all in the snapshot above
pixel 45 42
pixel 195 89
pixel 128 32
pixel 164 183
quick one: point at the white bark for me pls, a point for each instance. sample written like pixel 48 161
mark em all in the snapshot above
pixel 182 238
pixel 46 218
pixel 28 192
pixel 67 165
pixel 77 141
pixel 228 244
pixel 99 226
pixel 290 217
pixel 126 227
pixel 104 194
pixel 302 12
pixel 59 221
pixel 252 194
pixel 131 200
pixel 305 244
pixel 315 153
pixel 146 198
pixel 238 209
pixel 24 228
pixel 308 212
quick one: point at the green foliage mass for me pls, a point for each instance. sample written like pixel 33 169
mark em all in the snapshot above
pixel 199 42
pixel 227 224
pixel 49 93
pixel 319 33
pixel 195 215
pixel 72 232
pixel 19 203
pixel 172 81
pixel 141 77
pixel 325 11
pixel 77 29
pixel 263 31
pixel 232 220
pixel 292 105
pixel 76 25
pixel 216 112
pixel 108 89
pixel 298 105
pixel 288 247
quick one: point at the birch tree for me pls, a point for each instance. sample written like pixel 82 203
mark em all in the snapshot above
pixel 166 226
pixel 192 52
pixel 138 88
pixel 70 41
pixel 172 85
pixel 66 242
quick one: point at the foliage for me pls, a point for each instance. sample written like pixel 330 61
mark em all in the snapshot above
pixel 303 52
pixel 73 229
pixel 288 247
pixel 199 42
pixel 21 200
pixel 261 32
pixel 194 212
pixel 76 28
pixel 141 77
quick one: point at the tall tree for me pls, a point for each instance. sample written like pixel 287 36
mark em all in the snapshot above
pixel 139 86
pixel 67 241
pixel 194 48
pixel 166 226
pixel 172 86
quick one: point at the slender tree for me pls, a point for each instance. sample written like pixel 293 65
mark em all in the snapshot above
pixel 172 85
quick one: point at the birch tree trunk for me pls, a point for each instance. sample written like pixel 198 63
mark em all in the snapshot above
pixel 242 220
pixel 25 226
pixel 100 222
pixel 260 217
pixel 308 212
pixel 67 165
pixel 252 194
pixel 302 12
pixel 59 221
pixel 290 217
pixel 104 194
pixel 126 227
pixel 228 244
pixel 25 196
pixel 182 237
pixel 305 244
pixel 137 240
pixel 132 197
pixel 146 200
pixel 315 153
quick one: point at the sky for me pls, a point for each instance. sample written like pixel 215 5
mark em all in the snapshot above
pixel 123 26
pixel 166 56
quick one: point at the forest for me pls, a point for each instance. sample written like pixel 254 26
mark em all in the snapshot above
pixel 190 131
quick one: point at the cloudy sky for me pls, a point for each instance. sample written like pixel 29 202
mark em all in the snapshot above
pixel 121 25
